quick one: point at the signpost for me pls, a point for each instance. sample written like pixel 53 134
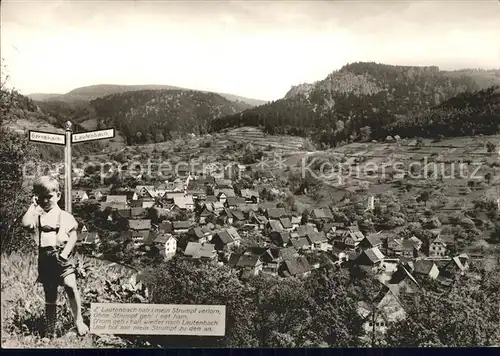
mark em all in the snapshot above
pixel 66 140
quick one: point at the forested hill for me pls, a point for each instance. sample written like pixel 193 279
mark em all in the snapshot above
pixel 149 116
pixel 91 92
pixel 362 100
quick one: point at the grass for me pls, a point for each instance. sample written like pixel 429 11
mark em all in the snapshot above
pixel 23 303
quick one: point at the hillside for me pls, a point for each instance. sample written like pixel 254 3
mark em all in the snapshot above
pixel 361 100
pixel 149 116
pixel 24 114
pixel 95 91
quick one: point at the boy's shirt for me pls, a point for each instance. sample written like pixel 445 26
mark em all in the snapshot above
pixel 67 224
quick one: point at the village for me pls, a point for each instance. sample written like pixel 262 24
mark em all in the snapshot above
pixel 201 215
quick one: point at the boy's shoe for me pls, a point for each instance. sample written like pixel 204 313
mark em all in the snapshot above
pixel 50 320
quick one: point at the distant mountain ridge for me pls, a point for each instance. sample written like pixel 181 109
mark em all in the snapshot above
pixel 91 92
pixel 365 99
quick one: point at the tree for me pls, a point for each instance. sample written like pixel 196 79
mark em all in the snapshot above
pixel 465 316
pixel 186 281
pixel 490 147
pixel 365 133
pixel 15 152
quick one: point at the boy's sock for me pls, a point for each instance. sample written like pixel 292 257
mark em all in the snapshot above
pixel 50 319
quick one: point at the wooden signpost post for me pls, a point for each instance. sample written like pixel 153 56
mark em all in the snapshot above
pixel 66 140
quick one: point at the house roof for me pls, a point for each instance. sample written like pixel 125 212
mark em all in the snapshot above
pixel 224 237
pixel 198 250
pixel 288 253
pixel 316 237
pixel 145 234
pixel 286 223
pixel 248 261
pixel 136 203
pixel 139 224
pixel 275 225
pixel 234 233
pixel 297 266
pixel 238 214
pixel 300 243
pixel 438 240
pixel 227 192
pixel 323 213
pixel 235 201
pixel 374 254
pixel 276 213
pixel 248 193
pixel 137 211
pixel 116 199
pixel 373 240
pixel 304 230
pixel 423 266
pixel 197 232
pixel 210 199
pixel 162 238
pixel 124 213
pixel 267 205
pixel 283 235
pixel 182 225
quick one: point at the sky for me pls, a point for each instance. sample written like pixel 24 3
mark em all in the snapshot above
pixel 256 49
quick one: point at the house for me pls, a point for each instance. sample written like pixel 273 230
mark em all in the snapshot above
pixel 385 309
pixel 404 279
pixel 295 221
pixel 140 229
pixel 297 267
pixel 217 207
pixel 300 243
pixel 304 230
pixel 165 243
pixel 137 212
pixel 353 237
pixel 181 226
pixel 200 250
pixel 370 257
pixel 317 240
pixel 425 268
pixel 184 202
pixel 417 243
pixel 120 199
pixel 123 214
pixel 145 191
pixel 135 203
pixel 225 217
pixel 260 220
pixel 286 224
pixel 273 225
pixel 233 202
pixel 406 249
pixel 165 226
pixel 223 194
pixel 206 213
pixel 139 224
pixel 251 196
pixel 323 214
pixel 226 238
pixel 79 195
pixel 224 183
pixel 263 207
pixel 275 213
pixel 437 248
pixel 91 238
pixel 99 194
pixel 251 265
pixel 147 204
pixel 371 241
pixel 280 238
pixel 171 195
pixel 201 234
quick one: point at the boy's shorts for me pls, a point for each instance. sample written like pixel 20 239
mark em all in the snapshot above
pixel 51 268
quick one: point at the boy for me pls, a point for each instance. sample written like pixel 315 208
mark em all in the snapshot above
pixel 55 231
